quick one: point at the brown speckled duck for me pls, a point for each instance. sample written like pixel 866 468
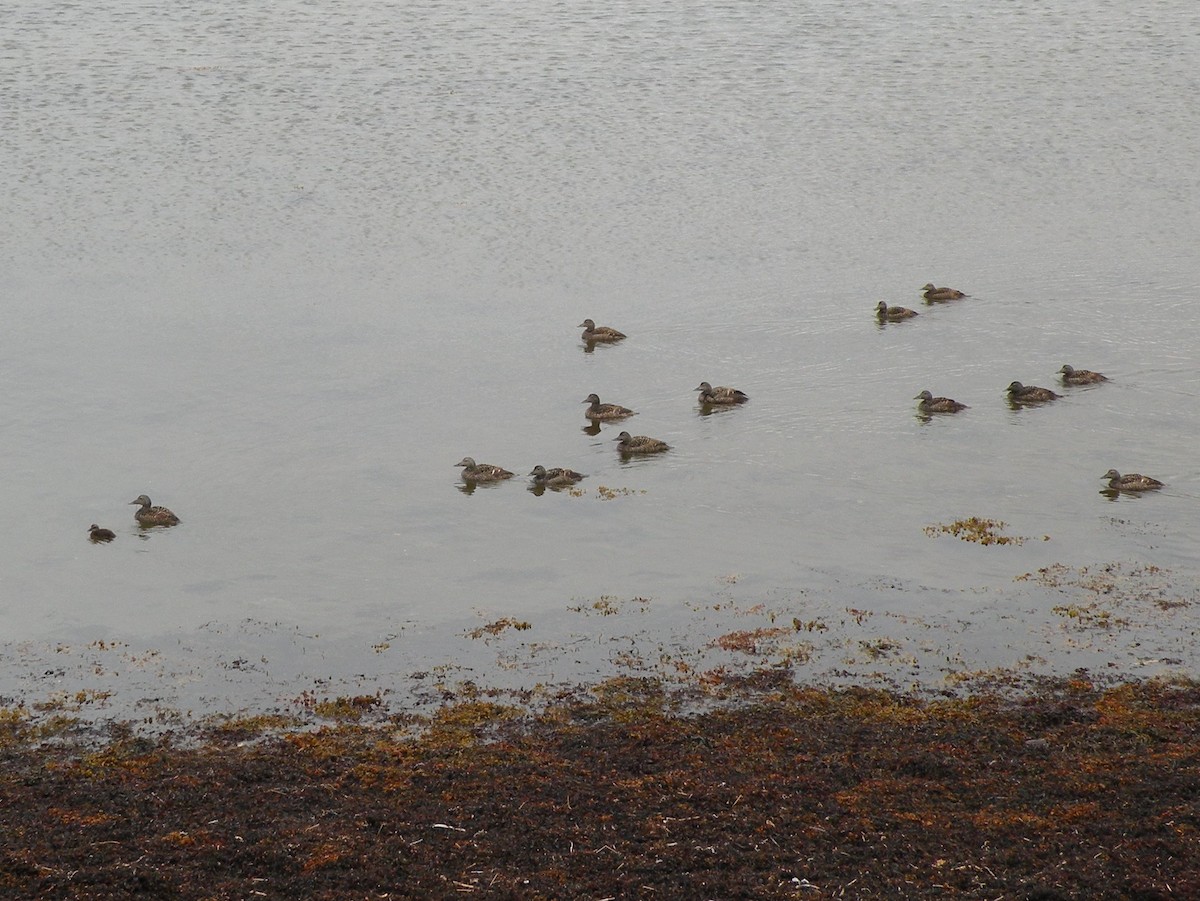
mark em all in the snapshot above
pixel 98 535
pixel 1131 481
pixel 930 404
pixel 481 472
pixel 598 412
pixel 932 293
pixel 1073 376
pixel 1029 394
pixel 640 444
pixel 555 477
pixel 602 334
pixel 153 516
pixel 893 314
pixel 720 395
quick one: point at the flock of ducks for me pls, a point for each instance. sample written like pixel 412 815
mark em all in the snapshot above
pixel 559 477
pixel 597 412
pixel 1018 394
pixel 628 445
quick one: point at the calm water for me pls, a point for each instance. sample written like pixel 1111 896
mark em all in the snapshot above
pixel 281 265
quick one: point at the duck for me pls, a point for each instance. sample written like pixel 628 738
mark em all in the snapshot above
pixel 720 395
pixel 482 472
pixel 934 293
pixel 1029 394
pixel 640 444
pixel 598 411
pixel 1073 376
pixel 98 534
pixel 893 314
pixel 593 334
pixel 153 516
pixel 1131 481
pixel 556 477
pixel 930 404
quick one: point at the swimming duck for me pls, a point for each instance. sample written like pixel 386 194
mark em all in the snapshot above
pixel 934 293
pixel 98 534
pixel 1073 376
pixel 640 444
pixel 593 333
pixel 1029 394
pixel 153 516
pixel 1131 481
pixel 930 404
pixel 893 314
pixel 598 411
pixel 720 395
pixel 481 472
pixel 557 477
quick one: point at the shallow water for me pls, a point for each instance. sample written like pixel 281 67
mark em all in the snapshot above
pixel 280 268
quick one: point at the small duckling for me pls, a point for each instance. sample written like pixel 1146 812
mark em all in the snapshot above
pixel 893 314
pixel 599 334
pixel 640 444
pixel 557 477
pixel 1029 394
pixel 721 395
pixel 603 412
pixel 98 535
pixel 930 404
pixel 1131 481
pixel 153 516
pixel 481 472
pixel 1073 376
pixel 933 294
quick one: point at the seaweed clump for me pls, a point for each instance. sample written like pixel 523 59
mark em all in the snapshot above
pixel 977 530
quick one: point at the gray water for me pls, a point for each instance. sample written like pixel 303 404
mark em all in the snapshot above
pixel 280 266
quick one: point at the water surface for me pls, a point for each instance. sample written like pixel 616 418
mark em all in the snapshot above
pixel 281 267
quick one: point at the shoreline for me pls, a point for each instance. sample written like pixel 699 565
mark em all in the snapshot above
pixel 1121 621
